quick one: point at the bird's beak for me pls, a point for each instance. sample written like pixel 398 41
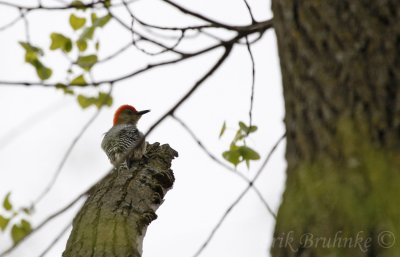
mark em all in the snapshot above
pixel 143 112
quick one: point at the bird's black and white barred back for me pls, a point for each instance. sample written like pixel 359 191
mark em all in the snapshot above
pixel 124 143
pixel 121 140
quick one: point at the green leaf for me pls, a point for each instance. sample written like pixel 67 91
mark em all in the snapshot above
pixel 30 48
pixel 6 203
pixel 248 154
pixel 3 222
pixel 238 136
pixel 85 101
pixel 97 45
pixel 87 62
pixel 59 41
pixel 247 164
pixel 243 126
pixel 82 45
pixel 79 81
pixel 76 22
pixel 78 5
pixel 27 210
pixel 87 33
pixel 107 3
pixel 101 22
pixel 19 231
pixel 232 156
pixel 104 99
pixel 65 88
pixel 222 129
pixel 31 52
pixel 252 129
pixel 42 71
pixel 93 17
pixel 26 225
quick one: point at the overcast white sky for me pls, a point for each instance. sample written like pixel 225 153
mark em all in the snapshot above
pixel 38 124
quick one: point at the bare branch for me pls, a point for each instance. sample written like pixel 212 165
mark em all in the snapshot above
pixel 171 111
pixel 65 156
pixel 253 79
pixel 11 23
pixel 259 27
pixel 253 20
pixel 100 4
pixel 56 239
pixel 44 222
pixel 26 23
pixel 142 37
pixel 216 160
pixel 239 198
pixel 199 27
pixel 199 16
pixel 29 123
pixel 115 54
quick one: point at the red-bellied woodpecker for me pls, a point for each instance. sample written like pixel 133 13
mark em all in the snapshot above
pixel 124 140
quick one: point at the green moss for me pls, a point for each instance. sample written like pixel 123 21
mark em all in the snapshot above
pixel 357 194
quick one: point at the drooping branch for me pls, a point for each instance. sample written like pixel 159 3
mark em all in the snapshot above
pixel 260 28
pixel 55 240
pixel 239 198
pixel 45 222
pixel 65 157
pixel 114 219
pixel 222 164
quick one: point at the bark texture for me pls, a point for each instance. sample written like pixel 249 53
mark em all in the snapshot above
pixel 114 218
pixel 340 64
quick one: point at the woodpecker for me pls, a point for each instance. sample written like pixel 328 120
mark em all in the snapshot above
pixel 124 140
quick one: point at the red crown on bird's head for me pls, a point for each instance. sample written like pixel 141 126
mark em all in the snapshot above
pixel 120 109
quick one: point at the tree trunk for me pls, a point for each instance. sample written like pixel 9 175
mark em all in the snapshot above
pixel 340 64
pixel 114 219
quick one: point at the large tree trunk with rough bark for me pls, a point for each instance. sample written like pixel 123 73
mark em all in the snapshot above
pixel 340 65
pixel 114 219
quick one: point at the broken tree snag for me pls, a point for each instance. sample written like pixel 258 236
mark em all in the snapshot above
pixel 114 219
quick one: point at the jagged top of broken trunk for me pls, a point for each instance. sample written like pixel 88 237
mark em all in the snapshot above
pixel 114 218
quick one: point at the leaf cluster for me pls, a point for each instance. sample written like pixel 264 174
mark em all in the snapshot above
pixel 12 220
pixel 238 150
pixel 75 47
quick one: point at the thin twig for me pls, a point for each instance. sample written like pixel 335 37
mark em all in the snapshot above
pixel 65 157
pixel 253 79
pixel 216 160
pixel 11 23
pixel 171 111
pixel 115 54
pixel 253 20
pixel 29 123
pixel 141 36
pixel 44 222
pixel 262 26
pixel 239 198
pixel 199 16
pixel 228 49
pixel 54 215
pixel 198 27
pixel 96 4
pixel 55 240
pixel 134 42
pixel 26 22
pixel 71 147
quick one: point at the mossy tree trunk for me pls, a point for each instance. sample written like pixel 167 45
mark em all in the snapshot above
pixel 340 64
pixel 114 219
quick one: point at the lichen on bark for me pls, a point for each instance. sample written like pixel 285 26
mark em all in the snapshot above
pixel 340 63
pixel 114 218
